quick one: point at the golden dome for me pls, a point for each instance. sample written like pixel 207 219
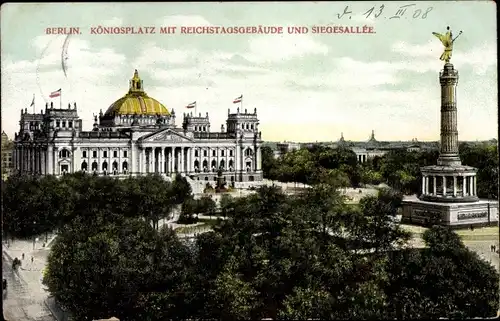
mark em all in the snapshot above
pixel 136 101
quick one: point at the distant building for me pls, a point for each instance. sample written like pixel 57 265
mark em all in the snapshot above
pixel 7 151
pixel 373 148
pixel 285 147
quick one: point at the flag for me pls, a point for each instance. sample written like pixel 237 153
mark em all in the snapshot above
pixel 33 101
pixel 238 100
pixel 56 93
pixel 191 105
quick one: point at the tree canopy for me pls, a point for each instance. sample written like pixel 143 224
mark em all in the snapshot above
pixel 276 255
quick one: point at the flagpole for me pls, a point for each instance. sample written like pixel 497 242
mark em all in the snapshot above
pixel 33 104
pixel 195 110
pixel 241 103
pixel 60 99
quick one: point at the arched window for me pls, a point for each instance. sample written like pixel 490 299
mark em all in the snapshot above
pixel 214 165
pixel 84 166
pixel 231 165
pixel 105 166
pixel 222 164
pixel 64 153
pixel 125 166
pixel 196 165
pixel 94 166
pixel 114 166
pixel 205 165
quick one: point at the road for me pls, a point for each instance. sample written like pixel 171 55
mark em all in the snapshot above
pixel 18 303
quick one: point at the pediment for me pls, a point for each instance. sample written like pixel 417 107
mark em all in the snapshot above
pixel 167 136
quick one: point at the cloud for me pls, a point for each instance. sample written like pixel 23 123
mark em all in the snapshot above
pixel 275 48
pixel 88 82
pixel 151 54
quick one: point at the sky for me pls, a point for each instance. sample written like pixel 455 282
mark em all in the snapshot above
pixel 306 87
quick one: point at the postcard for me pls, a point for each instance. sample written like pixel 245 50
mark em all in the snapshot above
pixel 231 96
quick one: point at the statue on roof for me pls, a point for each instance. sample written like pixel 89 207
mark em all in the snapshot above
pixel 447 40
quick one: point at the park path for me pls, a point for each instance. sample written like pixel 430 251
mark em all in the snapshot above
pixel 25 298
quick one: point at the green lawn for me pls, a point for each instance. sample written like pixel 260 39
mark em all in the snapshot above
pixel 206 223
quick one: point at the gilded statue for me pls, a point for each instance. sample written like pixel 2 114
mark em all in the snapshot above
pixel 447 40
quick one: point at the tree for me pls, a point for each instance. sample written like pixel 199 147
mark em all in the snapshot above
pixel 97 272
pixel 181 189
pixel 463 285
pixel 225 203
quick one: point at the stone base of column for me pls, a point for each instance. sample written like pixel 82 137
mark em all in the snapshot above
pixel 449 160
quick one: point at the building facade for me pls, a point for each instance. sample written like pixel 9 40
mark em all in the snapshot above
pixel 7 156
pixel 137 135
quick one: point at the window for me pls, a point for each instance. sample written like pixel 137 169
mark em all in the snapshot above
pixel 231 152
pixel 70 124
pixel 196 153
pixel 64 124
pixel 124 153
pixel 84 154
pixel 94 154
pixel 64 153
pixel 58 123
pixel 205 153
pixel 115 153
pixel 105 154
pixel 214 153
pixel 222 153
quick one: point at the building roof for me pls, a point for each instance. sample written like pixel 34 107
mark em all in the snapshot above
pixel 136 101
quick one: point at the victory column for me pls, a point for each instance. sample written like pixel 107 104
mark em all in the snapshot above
pixel 449 194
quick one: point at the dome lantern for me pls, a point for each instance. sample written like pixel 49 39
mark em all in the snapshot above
pixel 136 84
pixel 136 101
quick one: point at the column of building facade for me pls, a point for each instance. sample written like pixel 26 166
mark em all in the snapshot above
pixel 189 159
pixel 33 159
pixel 256 158
pixel 454 185
pixel 464 185
pixel 40 156
pixel 140 166
pixel 444 185
pixel 162 160
pixel 119 168
pixel 184 159
pixel 237 157
pixel 474 186
pixel 38 161
pixel 423 185
pixel 48 168
pixel 471 185
pixel 149 159
pixel 259 163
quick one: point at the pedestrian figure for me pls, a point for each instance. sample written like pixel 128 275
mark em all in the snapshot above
pixel 491 248
pixel 31 259
pixel 23 256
